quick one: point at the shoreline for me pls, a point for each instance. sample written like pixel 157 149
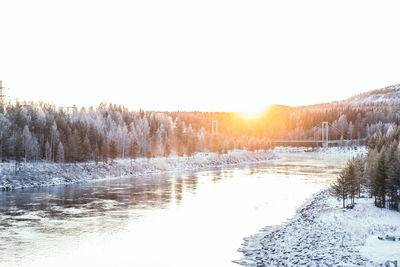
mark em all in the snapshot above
pixel 42 174
pixel 322 233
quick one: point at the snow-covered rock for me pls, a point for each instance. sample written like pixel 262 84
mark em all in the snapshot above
pixel 324 234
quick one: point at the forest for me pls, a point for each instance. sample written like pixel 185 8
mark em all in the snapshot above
pixel 375 175
pixel 44 132
pixel 39 131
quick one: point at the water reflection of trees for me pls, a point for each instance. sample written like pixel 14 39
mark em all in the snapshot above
pixel 191 182
pixel 119 198
pixel 216 176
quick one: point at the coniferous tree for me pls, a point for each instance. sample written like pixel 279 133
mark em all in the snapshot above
pixel 47 150
pixel 113 150
pixel 96 155
pixel 134 149
pixel 60 156
pixel 167 149
pixel 19 148
pixel 340 188
pixel 359 166
pixel 86 151
pixel 351 180
pixel 75 145
pixel 393 173
pixel 379 184
pixel 105 151
pixel 192 146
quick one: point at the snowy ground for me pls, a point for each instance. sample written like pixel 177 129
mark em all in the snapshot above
pixel 32 174
pixel 329 152
pixel 323 233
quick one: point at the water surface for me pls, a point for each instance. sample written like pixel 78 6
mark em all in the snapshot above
pixel 180 219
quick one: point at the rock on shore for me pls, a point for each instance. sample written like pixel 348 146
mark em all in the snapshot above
pixel 324 234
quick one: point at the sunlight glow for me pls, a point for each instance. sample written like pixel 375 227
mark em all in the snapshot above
pixel 252 114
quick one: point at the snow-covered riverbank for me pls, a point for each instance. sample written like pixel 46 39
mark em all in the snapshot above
pixel 322 233
pixel 32 174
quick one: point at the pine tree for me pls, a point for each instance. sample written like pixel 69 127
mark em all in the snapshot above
pixel 154 146
pixel 97 154
pixel 380 183
pixel 75 145
pixel 134 151
pixel 393 172
pixel 167 149
pixel 4 127
pixel 339 188
pixel 375 140
pixel 86 151
pixel 26 136
pixel 47 150
pixel 192 145
pixel 19 148
pixel 60 156
pixel 351 180
pixel 53 140
pixel 359 172
pixel 105 151
pixel 113 150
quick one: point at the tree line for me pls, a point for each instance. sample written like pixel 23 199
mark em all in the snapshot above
pixel 39 131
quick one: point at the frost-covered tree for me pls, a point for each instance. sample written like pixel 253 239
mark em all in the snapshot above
pixel 379 183
pixel 164 133
pixel 47 151
pixel 4 128
pixel 60 156
pixel 134 151
pixel 340 187
pixel 113 149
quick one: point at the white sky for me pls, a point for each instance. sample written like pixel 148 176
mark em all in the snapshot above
pixel 197 55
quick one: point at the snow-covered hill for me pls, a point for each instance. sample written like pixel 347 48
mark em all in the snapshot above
pixel 388 96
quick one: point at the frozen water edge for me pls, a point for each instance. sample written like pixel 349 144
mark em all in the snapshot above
pixel 322 233
pixel 35 174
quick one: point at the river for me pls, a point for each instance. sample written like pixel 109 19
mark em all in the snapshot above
pixel 177 219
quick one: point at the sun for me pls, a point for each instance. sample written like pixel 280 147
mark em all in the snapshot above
pixel 252 113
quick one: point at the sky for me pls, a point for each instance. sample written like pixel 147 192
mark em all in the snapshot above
pixel 208 55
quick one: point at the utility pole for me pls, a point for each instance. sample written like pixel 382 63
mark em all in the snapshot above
pixel 214 127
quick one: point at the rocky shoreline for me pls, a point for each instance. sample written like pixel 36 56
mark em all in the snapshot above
pixel 309 239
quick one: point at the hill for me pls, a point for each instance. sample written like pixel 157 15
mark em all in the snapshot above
pixel 387 96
